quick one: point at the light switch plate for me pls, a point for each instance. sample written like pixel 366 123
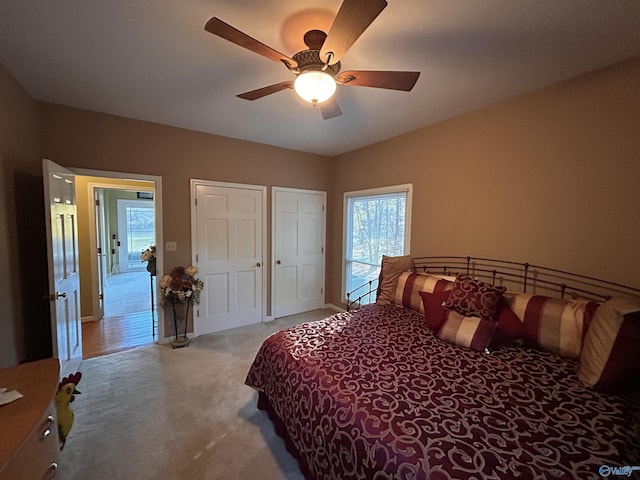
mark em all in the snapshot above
pixel 171 246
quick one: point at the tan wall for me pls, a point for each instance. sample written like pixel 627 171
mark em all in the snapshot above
pixel 550 177
pixel 24 323
pixel 78 138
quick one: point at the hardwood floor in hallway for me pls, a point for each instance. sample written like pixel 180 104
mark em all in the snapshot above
pixel 116 333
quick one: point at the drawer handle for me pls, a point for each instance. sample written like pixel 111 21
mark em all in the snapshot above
pixel 53 468
pixel 47 428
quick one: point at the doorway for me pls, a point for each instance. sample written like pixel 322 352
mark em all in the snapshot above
pixel 120 221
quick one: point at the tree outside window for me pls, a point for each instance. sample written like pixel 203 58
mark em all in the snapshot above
pixel 377 223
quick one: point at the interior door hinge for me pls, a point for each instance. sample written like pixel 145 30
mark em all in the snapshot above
pixel 196 258
pixel 99 251
pixel 101 296
pixel 97 202
pixel 321 291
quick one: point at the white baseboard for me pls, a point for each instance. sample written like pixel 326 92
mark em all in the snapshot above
pixel 334 307
pixel 166 340
pixel 90 318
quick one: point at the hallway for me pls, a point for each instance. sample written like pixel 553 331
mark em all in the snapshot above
pixel 128 321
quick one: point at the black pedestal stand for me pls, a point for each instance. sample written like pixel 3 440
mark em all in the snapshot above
pixel 180 311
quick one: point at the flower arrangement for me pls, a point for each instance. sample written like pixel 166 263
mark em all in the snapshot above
pixel 181 286
pixel 148 254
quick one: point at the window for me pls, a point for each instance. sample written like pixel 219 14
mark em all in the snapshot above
pixel 136 232
pixel 377 222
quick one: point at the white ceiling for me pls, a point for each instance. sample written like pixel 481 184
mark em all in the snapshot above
pixel 152 60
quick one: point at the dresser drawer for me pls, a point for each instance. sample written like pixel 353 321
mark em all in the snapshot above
pixel 37 458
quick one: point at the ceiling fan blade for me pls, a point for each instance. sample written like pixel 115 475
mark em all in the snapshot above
pixel 330 109
pixel 264 91
pixel 380 79
pixel 352 19
pixel 226 31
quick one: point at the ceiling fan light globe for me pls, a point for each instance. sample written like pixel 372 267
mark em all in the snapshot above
pixel 314 86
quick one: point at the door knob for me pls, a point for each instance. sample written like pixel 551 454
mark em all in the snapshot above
pixel 54 296
pixel 258 264
pixel 278 262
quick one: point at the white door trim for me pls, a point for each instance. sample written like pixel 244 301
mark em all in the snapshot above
pixel 157 199
pixel 194 237
pixel 272 267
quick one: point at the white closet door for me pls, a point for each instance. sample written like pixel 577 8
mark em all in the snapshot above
pixel 298 250
pixel 229 243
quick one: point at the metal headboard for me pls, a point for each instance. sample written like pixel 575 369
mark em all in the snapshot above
pixel 522 277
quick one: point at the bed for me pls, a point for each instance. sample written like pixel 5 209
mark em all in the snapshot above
pixel 374 393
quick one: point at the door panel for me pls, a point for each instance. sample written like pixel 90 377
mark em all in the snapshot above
pixel 310 285
pixel 246 239
pixel 64 277
pixel 216 246
pixel 288 283
pixel 246 290
pixel 298 250
pixel 229 231
pixel 217 288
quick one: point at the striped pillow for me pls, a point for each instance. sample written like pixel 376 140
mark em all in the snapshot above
pixel 553 324
pixel 410 285
pixel 470 332
pixel 610 361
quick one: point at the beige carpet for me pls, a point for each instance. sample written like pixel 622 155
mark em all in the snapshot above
pixel 158 413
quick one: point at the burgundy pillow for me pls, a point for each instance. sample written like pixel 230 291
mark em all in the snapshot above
pixel 471 332
pixel 473 298
pixel 509 327
pixel 434 314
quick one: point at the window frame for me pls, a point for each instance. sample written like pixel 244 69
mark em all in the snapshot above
pixel 406 188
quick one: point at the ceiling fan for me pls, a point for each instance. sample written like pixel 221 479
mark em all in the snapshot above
pixel 317 69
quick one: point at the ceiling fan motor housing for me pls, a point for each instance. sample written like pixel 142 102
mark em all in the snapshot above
pixel 310 59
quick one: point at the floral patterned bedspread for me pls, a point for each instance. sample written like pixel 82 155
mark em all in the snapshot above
pixel 373 394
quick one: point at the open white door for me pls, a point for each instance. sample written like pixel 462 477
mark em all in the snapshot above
pixel 228 230
pixel 298 250
pixel 62 253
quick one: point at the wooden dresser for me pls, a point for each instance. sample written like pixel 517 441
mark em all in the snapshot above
pixel 29 440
